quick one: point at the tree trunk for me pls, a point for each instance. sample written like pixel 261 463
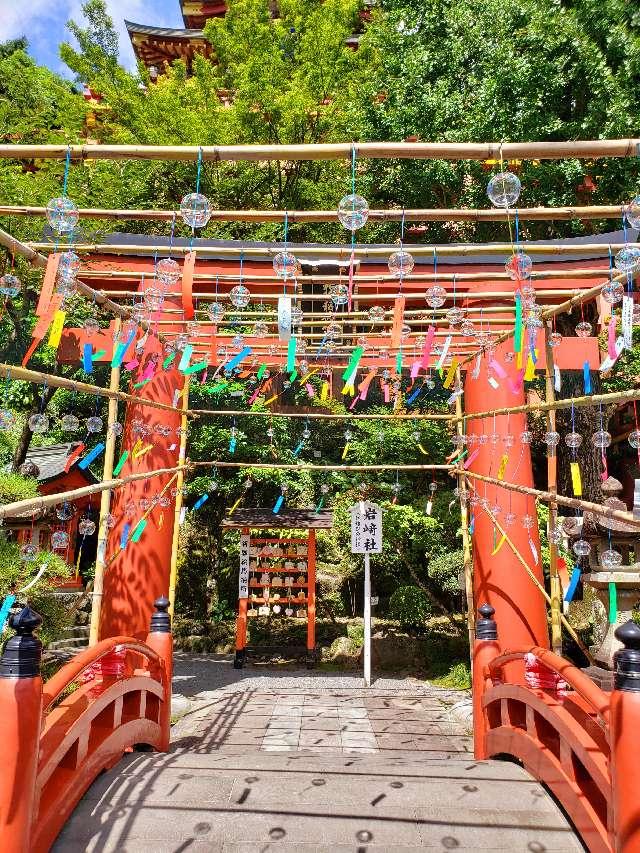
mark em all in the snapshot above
pixel 24 440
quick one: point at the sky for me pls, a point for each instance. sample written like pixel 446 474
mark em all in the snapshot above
pixel 43 22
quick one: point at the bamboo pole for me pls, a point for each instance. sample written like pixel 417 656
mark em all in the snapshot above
pixel 13 372
pixel 328 416
pixel 17 247
pixel 537 583
pixel 175 541
pixel 105 503
pixel 578 402
pixel 310 467
pixel 578 298
pixel 391 215
pixel 496 151
pixel 28 505
pixel 467 558
pixel 574 503
pixel 552 485
pixel 345 251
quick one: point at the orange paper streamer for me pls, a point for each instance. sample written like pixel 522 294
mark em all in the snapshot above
pixel 48 281
pixel 398 320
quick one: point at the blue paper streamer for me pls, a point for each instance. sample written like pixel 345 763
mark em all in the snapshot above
pixel 278 504
pixel 587 377
pixel 87 358
pixel 7 604
pixel 201 500
pixel 232 444
pixel 573 584
pixel 414 395
pixel 124 536
pixel 298 448
pixel 121 349
pixel 235 361
pixel 91 455
pixel 472 524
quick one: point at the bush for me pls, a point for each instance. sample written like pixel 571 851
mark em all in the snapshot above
pixel 15 487
pixel 410 606
pixel 444 570
pixel 355 632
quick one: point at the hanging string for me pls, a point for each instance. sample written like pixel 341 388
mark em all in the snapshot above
pixel 507 209
pixel 173 229
pixel 67 164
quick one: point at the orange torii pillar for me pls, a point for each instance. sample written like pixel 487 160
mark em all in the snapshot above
pixel 500 580
pixel 140 573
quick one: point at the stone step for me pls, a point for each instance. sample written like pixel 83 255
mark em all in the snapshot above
pixel 69 643
pixel 78 630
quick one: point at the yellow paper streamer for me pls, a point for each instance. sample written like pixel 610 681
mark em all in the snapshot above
pixel 503 466
pixel 234 507
pixel 324 392
pixel 422 450
pixel 141 451
pixel 530 372
pixel 349 389
pixel 499 545
pixel 56 328
pixel 309 375
pixel 576 479
pixel 271 400
pixel 451 373
pixel 519 354
pixel 345 451
pixel 136 449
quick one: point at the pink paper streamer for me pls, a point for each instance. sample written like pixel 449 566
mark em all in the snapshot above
pixel 498 368
pixel 428 344
pixel 149 371
pixel 131 365
pixel 516 384
pixel 310 389
pixel 415 369
pixel 386 393
pixel 364 390
pixel 611 340
pixel 355 400
pixel 254 395
pixel 203 378
pixel 471 458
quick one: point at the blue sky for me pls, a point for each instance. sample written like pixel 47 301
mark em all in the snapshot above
pixel 44 24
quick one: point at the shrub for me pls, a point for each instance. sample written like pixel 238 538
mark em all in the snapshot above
pixel 355 632
pixel 444 570
pixel 410 606
pixel 15 487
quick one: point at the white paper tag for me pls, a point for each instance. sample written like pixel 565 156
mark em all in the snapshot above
pixel 493 383
pixel 534 551
pixel 284 317
pixel 183 514
pixel 445 350
pixel 608 362
pixel 476 367
pixel 557 381
pixel 627 321
pixel 636 498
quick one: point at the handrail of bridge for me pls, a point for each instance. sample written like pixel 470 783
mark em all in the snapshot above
pixel 574 677
pixel 59 682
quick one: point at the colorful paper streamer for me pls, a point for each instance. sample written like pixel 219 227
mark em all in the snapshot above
pixel 91 455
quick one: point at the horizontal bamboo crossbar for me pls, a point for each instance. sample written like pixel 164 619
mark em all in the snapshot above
pixel 574 503
pixel 579 402
pixel 359 251
pixel 391 215
pixel 310 467
pixel 11 371
pixel 43 501
pixel 577 149
pixel 327 416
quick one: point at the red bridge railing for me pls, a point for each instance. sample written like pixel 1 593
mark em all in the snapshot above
pixel 581 742
pixel 64 733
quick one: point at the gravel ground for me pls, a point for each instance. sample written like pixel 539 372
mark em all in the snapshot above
pixel 198 678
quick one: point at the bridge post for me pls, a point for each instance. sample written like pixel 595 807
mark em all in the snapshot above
pixel 485 649
pixel 625 740
pixel 160 639
pixel 20 723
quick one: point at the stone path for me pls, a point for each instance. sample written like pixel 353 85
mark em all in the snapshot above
pixel 314 764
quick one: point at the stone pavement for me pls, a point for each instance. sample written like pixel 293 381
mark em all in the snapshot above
pixel 313 763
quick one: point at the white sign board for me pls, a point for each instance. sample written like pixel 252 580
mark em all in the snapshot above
pixel 243 579
pixel 366 528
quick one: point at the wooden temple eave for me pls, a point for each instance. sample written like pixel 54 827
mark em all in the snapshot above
pixel 197 12
pixel 156 46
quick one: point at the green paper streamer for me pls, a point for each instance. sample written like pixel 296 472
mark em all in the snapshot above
pixel 261 371
pixel 293 376
pixel 319 504
pixel 613 603
pixel 219 386
pixel 351 368
pixel 201 365
pixel 137 533
pixel 399 363
pixel 98 354
pixel 168 360
pixel 120 464
pixel 140 384
pixel 517 334
pixel 291 355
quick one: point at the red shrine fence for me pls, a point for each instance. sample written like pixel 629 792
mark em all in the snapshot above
pixel 60 735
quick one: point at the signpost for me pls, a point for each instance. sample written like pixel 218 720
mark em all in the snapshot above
pixel 366 538
pixel 243 577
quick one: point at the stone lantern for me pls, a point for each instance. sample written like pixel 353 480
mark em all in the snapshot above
pixel 607 534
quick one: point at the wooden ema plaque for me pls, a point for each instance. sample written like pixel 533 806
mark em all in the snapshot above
pixel 277 579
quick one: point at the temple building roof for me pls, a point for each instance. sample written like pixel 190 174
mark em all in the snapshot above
pixel 197 12
pixel 154 46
